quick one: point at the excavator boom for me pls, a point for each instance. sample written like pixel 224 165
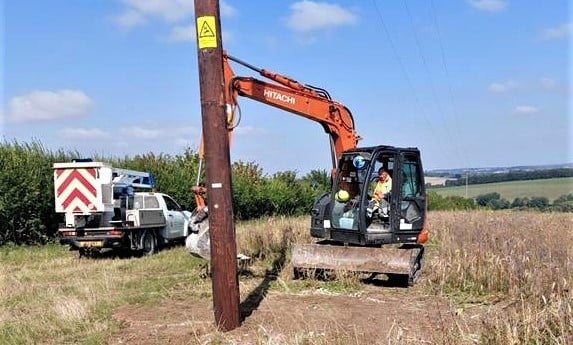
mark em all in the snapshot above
pixel 287 94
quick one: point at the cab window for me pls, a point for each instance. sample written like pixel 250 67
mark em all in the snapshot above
pixel 410 178
pixel 151 202
pixel 171 204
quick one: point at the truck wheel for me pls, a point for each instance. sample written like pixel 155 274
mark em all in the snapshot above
pixel 148 243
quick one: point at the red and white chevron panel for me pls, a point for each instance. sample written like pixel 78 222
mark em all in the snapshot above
pixel 76 190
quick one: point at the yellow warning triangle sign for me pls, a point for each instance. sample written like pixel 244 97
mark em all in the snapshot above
pixel 206 31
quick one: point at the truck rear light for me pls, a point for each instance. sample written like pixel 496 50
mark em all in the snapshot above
pixel 68 233
pixel 115 232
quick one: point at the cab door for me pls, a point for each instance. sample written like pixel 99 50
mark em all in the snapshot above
pixel 412 192
pixel 175 219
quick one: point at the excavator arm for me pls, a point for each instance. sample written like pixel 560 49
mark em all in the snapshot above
pixel 287 94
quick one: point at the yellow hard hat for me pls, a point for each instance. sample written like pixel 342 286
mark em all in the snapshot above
pixel 342 196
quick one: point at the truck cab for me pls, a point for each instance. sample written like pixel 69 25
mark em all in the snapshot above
pixel 160 209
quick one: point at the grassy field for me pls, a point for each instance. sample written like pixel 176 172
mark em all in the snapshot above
pixel 508 277
pixel 549 188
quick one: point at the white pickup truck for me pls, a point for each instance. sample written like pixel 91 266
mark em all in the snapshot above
pixel 103 211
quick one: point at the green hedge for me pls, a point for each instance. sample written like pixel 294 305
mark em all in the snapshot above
pixel 27 189
pixel 27 192
pixel 436 202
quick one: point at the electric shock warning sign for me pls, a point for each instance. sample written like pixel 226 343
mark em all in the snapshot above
pixel 206 32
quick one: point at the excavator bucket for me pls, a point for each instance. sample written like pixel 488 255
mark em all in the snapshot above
pixel 397 261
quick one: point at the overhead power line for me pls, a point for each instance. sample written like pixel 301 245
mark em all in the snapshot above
pixel 406 75
pixel 429 74
pixel 455 121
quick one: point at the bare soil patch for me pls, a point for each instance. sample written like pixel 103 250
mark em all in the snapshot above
pixel 376 315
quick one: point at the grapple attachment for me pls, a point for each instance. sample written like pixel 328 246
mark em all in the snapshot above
pixel 405 260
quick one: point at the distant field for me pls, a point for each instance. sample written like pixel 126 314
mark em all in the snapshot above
pixel 549 188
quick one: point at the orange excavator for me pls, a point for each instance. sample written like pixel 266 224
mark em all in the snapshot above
pixel 353 233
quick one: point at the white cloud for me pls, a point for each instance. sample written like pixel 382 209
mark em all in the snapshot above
pixel 250 130
pixel 130 19
pixel 226 9
pixel 84 133
pixel 50 105
pixel 489 5
pixel 189 34
pixel 120 144
pixel 503 87
pixel 182 143
pixel 152 131
pixel 170 11
pixel 309 16
pixel 188 131
pixel 182 34
pixel 142 133
pixel 557 32
pixel 548 83
pixel 226 36
pixel 526 109
pixel 510 85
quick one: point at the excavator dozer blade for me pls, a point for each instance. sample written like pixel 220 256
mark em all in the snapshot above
pixel 404 261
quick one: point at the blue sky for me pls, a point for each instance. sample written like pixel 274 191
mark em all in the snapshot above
pixel 474 83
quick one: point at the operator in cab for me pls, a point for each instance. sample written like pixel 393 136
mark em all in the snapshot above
pixel 380 194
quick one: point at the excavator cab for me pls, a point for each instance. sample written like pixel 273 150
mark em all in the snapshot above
pixel 357 174
pixel 355 236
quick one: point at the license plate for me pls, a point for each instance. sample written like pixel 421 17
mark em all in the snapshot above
pixel 91 244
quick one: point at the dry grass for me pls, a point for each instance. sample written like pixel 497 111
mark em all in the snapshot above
pixel 515 268
pixel 509 277
pixel 269 242
pixel 265 238
pixel 49 296
pixel 518 266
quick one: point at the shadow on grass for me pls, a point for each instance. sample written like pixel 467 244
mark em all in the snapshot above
pixel 391 281
pixel 105 254
pixel 377 280
pixel 255 297
pixel 119 253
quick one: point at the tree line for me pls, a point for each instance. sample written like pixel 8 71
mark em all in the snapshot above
pixel 27 214
pixel 516 175
pixel 494 201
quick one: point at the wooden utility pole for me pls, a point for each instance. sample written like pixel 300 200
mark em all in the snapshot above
pixel 218 166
